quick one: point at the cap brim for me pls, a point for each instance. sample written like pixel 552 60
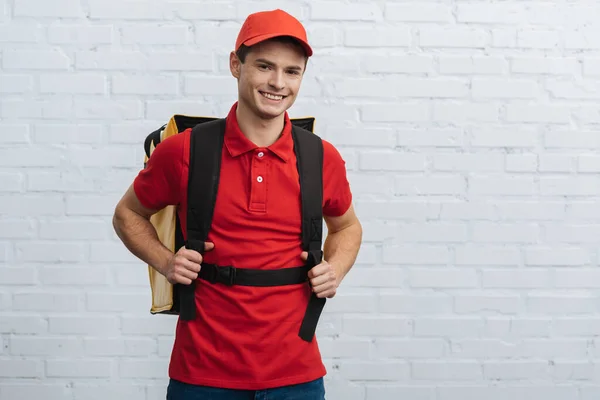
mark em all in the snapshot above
pixel 262 38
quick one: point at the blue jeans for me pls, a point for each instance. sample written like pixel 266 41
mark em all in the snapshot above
pixel 314 390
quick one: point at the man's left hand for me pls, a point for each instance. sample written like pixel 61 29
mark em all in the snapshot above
pixel 323 278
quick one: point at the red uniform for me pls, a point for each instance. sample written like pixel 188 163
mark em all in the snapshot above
pixel 246 337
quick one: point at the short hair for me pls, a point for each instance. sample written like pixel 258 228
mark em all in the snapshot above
pixel 243 51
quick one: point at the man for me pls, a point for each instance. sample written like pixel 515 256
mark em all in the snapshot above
pixel 244 344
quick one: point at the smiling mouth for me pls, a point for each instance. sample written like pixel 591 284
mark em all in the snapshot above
pixel 272 96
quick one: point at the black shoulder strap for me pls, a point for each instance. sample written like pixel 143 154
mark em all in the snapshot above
pixel 309 154
pixel 206 143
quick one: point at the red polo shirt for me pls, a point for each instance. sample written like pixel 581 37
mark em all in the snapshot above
pixel 246 337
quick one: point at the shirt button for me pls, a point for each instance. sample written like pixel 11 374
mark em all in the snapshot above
pixel 261 154
pixel 259 179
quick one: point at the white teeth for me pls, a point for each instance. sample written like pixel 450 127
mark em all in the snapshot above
pixel 272 97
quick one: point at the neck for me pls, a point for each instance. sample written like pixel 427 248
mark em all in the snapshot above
pixel 261 132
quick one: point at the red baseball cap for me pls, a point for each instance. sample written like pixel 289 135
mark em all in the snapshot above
pixel 265 25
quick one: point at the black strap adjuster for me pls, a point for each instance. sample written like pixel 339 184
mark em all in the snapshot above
pixel 217 274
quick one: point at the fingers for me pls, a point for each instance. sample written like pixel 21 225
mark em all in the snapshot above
pixel 304 255
pixel 208 246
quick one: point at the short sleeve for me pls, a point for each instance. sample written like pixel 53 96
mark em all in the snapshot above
pixel 337 196
pixel 159 184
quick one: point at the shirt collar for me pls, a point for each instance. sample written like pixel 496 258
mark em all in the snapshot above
pixel 237 143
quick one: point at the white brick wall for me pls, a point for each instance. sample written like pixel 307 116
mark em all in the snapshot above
pixel 471 136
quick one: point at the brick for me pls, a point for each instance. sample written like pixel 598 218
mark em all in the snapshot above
pixel 470 304
pixel 155 34
pixel 56 181
pixel 459 65
pixel 37 391
pixel 582 39
pixel 395 112
pixel 59 107
pixel 366 137
pixel 577 279
pixel 145 369
pixel 145 85
pixel 566 139
pixel 520 392
pixel 34 60
pixel 515 370
pixel 495 137
pixel 418 12
pixel 434 278
pixel 117 302
pixel 538 39
pixel 108 110
pixel 459 37
pixel 411 64
pixel 102 391
pixel 410 348
pixel 325 63
pixel 530 210
pixel 377 37
pixel 22 368
pixel 516 278
pixel 591 66
pixel 472 210
pixel 490 13
pixel 21 32
pixel 46 301
pixel 23 324
pixel 213 85
pixel 391 161
pixel 189 10
pixel 461 112
pixel 432 232
pixel 430 138
pixel 375 278
pixel 339 11
pixel 79 275
pixel 107 252
pixel 131 347
pixel 521 163
pixel 504 38
pixel 18 276
pixel 16 84
pixel 453 326
pixel 148 325
pixel 71 83
pixel 50 251
pixel 545 65
pixel 397 392
pixel 490 88
pixel 10 182
pixel 556 256
pixel 78 369
pixel 376 326
pixel 375 371
pixel 58 8
pixel 464 162
pixel 60 133
pixel 415 304
pixel 345 348
pixel 502 185
pixel 471 254
pixel 84 325
pixel 45 346
pixel 560 304
pixel 128 10
pixel 221 38
pixel 19 133
pixel 80 34
pixel 538 113
pixel 566 186
pixel 324 36
pixel 435 185
pixel 447 370
pixel 570 90
pixel 354 302
pixel 416 255
pixel 489 232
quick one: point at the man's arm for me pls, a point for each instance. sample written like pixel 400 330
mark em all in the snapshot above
pixel 339 253
pixel 131 222
pixel 343 242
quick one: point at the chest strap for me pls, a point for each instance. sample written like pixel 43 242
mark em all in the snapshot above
pixel 230 276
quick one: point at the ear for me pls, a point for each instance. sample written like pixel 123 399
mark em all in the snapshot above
pixel 235 65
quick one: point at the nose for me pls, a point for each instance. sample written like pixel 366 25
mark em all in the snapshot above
pixel 276 80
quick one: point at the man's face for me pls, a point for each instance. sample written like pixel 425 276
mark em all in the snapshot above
pixel 270 77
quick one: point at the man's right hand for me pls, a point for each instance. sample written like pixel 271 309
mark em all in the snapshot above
pixel 184 266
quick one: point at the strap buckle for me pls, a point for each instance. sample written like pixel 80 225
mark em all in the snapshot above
pixel 224 275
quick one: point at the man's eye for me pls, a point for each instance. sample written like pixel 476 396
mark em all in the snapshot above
pixel 263 66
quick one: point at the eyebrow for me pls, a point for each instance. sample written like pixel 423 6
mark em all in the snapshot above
pixel 263 61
